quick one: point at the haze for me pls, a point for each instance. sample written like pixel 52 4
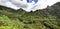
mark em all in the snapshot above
pixel 33 6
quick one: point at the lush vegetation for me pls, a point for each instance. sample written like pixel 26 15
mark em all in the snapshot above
pixel 48 18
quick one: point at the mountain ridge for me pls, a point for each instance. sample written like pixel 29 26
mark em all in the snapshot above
pixel 48 18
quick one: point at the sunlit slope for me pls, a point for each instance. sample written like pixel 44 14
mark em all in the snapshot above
pixel 48 18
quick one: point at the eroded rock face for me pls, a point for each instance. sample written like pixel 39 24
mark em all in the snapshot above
pixel 28 5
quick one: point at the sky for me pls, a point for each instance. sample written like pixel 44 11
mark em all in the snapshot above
pixel 28 5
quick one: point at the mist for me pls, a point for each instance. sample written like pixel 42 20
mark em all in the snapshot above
pixel 33 5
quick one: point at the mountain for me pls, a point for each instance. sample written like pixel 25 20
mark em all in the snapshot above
pixel 48 18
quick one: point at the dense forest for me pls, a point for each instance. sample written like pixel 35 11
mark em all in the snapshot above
pixel 48 18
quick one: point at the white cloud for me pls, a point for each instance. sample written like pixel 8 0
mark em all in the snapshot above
pixel 16 4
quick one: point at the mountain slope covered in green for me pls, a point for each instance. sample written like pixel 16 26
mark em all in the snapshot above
pixel 48 18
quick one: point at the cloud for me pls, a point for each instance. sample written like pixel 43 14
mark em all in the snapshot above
pixel 17 4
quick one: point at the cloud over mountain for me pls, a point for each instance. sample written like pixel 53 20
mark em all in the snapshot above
pixel 28 5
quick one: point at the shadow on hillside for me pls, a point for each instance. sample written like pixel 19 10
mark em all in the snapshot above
pixel 55 10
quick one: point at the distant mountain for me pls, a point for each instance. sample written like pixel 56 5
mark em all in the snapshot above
pixel 48 18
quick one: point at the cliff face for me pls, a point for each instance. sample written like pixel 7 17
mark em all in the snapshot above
pixel 48 18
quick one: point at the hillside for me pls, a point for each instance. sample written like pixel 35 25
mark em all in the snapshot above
pixel 48 18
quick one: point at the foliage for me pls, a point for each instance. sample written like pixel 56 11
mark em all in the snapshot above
pixel 48 18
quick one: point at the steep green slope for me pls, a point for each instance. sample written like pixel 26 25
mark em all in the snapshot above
pixel 48 18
